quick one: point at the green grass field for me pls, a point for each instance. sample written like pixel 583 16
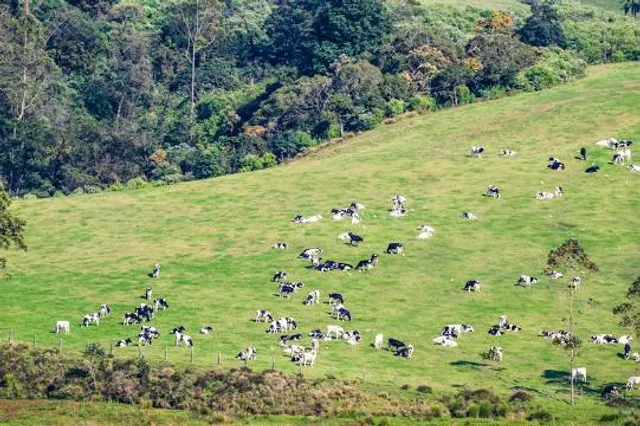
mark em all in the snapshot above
pixel 213 240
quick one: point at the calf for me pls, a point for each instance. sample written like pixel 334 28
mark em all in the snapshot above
pixel 472 285
pixel 279 276
pixel 144 339
pixel 122 343
pixel 354 239
pixel 580 372
pixel 280 246
pixel 622 156
pixel 312 298
pixel 104 310
pixel 495 331
pixel 377 341
pixel 63 326
pixel 449 343
pixel 526 280
pixel 396 249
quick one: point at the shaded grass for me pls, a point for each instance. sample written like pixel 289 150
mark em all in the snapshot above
pixel 212 238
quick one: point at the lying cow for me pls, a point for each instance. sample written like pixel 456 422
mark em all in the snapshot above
pixel 279 276
pixel 507 153
pixel 425 232
pixel 469 216
pixel 366 264
pixel 123 343
pixel 493 191
pixel 280 246
pixel 249 354
pixel 477 151
pixel 526 280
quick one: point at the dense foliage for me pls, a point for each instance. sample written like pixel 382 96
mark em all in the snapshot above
pixel 107 93
pixel 11 227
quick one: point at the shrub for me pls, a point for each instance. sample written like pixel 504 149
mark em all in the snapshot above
pixel 29 196
pixel 424 389
pixel 77 191
pixel 421 103
pixel 540 415
pixel 394 108
pixel 485 410
pixel 58 194
pixel 92 189
pixel 464 95
pixel 520 396
pixel 137 183
pixel 405 387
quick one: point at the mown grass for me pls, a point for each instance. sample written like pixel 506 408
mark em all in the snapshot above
pixel 212 238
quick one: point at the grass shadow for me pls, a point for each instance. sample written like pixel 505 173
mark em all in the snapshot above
pixel 472 364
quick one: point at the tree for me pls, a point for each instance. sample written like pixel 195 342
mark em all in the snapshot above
pixel 202 24
pixel 543 26
pixel 445 85
pixel 11 227
pixel 630 311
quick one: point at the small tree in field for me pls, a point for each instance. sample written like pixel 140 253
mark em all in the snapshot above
pixel 11 227
pixel 630 311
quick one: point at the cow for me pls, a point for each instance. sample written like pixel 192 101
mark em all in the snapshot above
pixel 334 330
pixel 179 329
pixel 440 340
pixel 622 156
pixel 335 298
pixel 592 169
pixel 343 266
pixel 289 337
pixel 305 358
pixel 526 280
pixel 575 282
pixel 131 318
pixel 122 343
pixel 456 329
pixel 609 391
pixel 355 206
pixel 555 164
pixel 156 271
pixel 316 334
pixel 623 340
pixel 425 232
pixel 557 193
pixel 366 264
pixel 354 239
pixel 472 285
pixel 377 341
pixel 148 292
pixel 160 304
pixel 395 343
pixel 635 357
pixel 355 218
pixel 279 276
pixel 248 354
pixel 634 168
pixel 406 352
pixel 495 353
pixel 311 219
pixel 400 212
pixel 495 331
pixel 144 339
pixel 469 216
pixel 507 153
pixel 309 253
pixel 90 319
pixel 352 337
pixel 580 372
pixel 151 331
pixel 104 310
pixel 183 338
pixel 312 298
pixel 286 290
pixel 493 191
pixel 477 151
pixel 449 343
pixel 63 326
pixel 343 314
pixel 280 246
pixel 262 315
pixel 292 350
pixel 396 249
pixel 398 202
pixel 633 380
pixel 206 330
pixel 145 311
pixel 554 275
pixel 583 153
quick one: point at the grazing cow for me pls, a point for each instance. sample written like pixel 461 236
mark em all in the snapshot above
pixel 179 329
pixel 262 315
pixel 145 311
pixel 286 290
pixel 90 319
pixel 343 314
pixel 248 354
pixel 377 341
pixel 580 372
pixel 633 380
pixel 280 246
pixel 160 304
pixel 592 169
pixel 183 338
pixel 472 285
pixel 624 340
pixel 131 318
pixel 622 156
pixel 63 326
pixel 366 264
pixel 469 216
pixel 206 330
pixel 122 343
pixel 406 352
pixel 395 248
pixel 334 330
pixel 395 343
pixel 354 239
pixel 279 276
pixel 335 298
pixel 583 153
pixel 634 168
pixel 148 292
pixel 493 191
pixel 425 232
pixel 305 358
pixel 526 281
pixel 507 153
pixel 355 218
pixel 610 391
pixel 104 310
pixel 575 282
pixel 309 253
pixel 312 298
pixel 554 275
pixel 477 151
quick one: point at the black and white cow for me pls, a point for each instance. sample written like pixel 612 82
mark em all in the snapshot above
pixel 495 331
pixel 90 319
pixel 343 314
pixel 262 315
pixel 104 310
pixel 160 304
pixel 144 339
pixel 469 216
pixel 472 285
pixel 396 248
pixel 316 333
pixel 145 312
pixel 526 280
pixel 183 338
pixel 395 343
pixel 150 331
pixel 248 354
pixel 610 391
pixel 156 271
pixel 280 246
pixel 507 153
pixel 122 343
pixel 279 276
pixel 406 351
pixel 206 330
pixel 312 298
pixel 340 266
pixel 335 298
pixel 555 164
pixel 310 252
pixel 131 318
pixel 148 292
pixel 477 151
pixel 286 290
pixel 179 329
pixel 493 191
pixel 289 338
pixel 366 264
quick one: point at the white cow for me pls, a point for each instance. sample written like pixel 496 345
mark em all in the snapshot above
pixel 377 341
pixel 634 168
pixel 355 218
pixel 63 326
pixel 635 357
pixel 449 343
pixel 508 153
pixel 306 358
pixel 425 232
pixel 334 329
pixel 633 380
pixel 623 340
pixel 579 372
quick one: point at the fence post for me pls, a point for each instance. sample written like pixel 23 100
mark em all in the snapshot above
pixel 110 348
pixel 35 341
pixel 165 353
pixel 139 351
pixel 191 353
pixel 60 345
pixel 219 360
pixel 273 364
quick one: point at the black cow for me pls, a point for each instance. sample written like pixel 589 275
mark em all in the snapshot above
pixel 610 391
pixel 583 153
pixel 179 329
pixel 336 298
pixel 354 239
pixel 592 169
pixel 395 248
pixel 395 343
pixel 344 314
pixel 280 275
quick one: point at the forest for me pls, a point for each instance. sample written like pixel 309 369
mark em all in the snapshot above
pixel 113 94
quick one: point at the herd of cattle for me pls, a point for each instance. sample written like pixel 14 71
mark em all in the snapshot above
pixel 286 327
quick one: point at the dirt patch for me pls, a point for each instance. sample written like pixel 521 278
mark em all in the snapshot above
pixel 631 84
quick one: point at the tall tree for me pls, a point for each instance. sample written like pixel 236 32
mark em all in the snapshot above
pixel 11 227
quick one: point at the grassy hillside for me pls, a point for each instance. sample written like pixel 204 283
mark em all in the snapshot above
pixel 516 4
pixel 213 237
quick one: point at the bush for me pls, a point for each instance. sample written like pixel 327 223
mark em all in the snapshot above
pixel 29 196
pixel 77 191
pixel 421 103
pixel 540 415
pixel 137 183
pixel 485 410
pixel 464 95
pixel 58 194
pixel 520 396
pixel 394 108
pixel 424 389
pixel 92 189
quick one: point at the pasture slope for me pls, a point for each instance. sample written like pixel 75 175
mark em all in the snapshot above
pixel 213 240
